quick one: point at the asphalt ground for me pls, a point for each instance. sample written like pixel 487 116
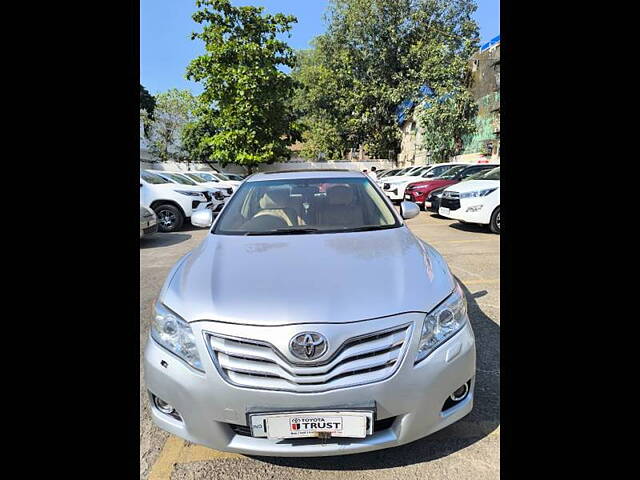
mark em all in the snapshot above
pixel 468 449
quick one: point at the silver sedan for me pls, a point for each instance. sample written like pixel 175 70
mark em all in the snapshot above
pixel 309 322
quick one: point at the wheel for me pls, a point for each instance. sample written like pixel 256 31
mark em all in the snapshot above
pixel 170 218
pixel 494 224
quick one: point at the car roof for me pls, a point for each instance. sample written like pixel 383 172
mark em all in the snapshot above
pixel 298 174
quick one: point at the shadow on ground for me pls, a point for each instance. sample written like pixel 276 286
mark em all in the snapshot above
pixel 163 240
pixel 486 412
pixel 472 227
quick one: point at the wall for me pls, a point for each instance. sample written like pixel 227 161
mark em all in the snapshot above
pixel 379 164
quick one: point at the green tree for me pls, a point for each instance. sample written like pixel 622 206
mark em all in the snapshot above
pixel 377 53
pixel 147 106
pixel 246 104
pixel 446 122
pixel 173 111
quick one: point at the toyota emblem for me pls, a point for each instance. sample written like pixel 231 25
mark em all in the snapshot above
pixel 308 345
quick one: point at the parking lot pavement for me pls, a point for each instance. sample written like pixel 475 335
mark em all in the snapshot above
pixel 468 449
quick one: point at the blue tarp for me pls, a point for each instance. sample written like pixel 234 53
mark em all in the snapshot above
pixel 490 43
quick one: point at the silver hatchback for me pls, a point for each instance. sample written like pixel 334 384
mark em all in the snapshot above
pixel 310 321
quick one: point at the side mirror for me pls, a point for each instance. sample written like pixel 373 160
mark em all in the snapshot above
pixel 409 210
pixel 203 218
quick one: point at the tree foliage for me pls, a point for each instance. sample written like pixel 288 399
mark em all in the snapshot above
pixel 147 101
pixel 147 106
pixel 245 115
pixel 174 110
pixel 374 55
pixel 446 122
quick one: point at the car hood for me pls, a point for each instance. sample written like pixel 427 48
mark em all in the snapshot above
pixel 399 179
pixel 471 185
pixel 316 278
pixel 179 186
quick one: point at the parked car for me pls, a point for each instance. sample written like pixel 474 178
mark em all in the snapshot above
pixel 218 178
pixel 148 222
pixel 475 201
pixel 171 202
pixel 218 194
pixel 394 187
pixel 432 202
pixel 324 348
pixel 226 190
pixel 417 191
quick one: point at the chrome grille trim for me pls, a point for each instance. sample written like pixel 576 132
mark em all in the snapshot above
pixel 359 360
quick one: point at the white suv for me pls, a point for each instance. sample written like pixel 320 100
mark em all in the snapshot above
pixel 171 202
pixel 218 194
pixel 474 201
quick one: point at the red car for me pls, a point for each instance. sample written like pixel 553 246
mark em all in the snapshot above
pixel 418 191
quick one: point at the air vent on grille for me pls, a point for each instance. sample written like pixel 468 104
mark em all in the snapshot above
pixel 360 360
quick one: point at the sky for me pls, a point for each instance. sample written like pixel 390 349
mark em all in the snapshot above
pixel 166 25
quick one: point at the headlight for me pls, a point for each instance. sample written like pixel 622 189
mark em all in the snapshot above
pixel 442 323
pixel 174 334
pixel 190 194
pixel 478 193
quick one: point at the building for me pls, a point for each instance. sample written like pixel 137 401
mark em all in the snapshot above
pixel 485 88
pixel 484 145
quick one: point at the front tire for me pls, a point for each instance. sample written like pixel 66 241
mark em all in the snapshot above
pixel 170 218
pixel 494 224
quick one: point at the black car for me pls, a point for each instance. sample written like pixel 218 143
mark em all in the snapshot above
pixel 432 202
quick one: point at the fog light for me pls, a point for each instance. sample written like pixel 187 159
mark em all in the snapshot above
pixel 460 393
pixel 163 406
pixel 475 208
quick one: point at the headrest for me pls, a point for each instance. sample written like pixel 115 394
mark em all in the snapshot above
pixel 276 198
pixel 340 195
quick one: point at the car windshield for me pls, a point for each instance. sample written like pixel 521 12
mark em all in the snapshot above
pixel 493 174
pixel 153 178
pixel 305 206
pixel 220 176
pixel 206 177
pixel 181 179
pixel 452 172
pixel 476 176
pixel 194 177
pixel 420 171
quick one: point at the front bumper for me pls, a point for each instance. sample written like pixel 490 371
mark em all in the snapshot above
pixel 415 196
pixel 414 395
pixel 149 227
pixel 481 216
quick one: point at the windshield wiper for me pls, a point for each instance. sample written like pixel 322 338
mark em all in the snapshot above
pixel 285 231
pixel 368 227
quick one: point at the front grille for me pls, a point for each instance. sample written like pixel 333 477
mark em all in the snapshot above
pixel 360 360
pixel 378 425
pixel 450 203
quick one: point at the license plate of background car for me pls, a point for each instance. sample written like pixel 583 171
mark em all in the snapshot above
pixel 407 197
pixel 427 204
pixel 314 424
pixel 444 211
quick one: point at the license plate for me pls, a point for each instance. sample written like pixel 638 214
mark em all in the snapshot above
pixel 444 211
pixel 315 424
pixel 407 197
pixel 427 204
